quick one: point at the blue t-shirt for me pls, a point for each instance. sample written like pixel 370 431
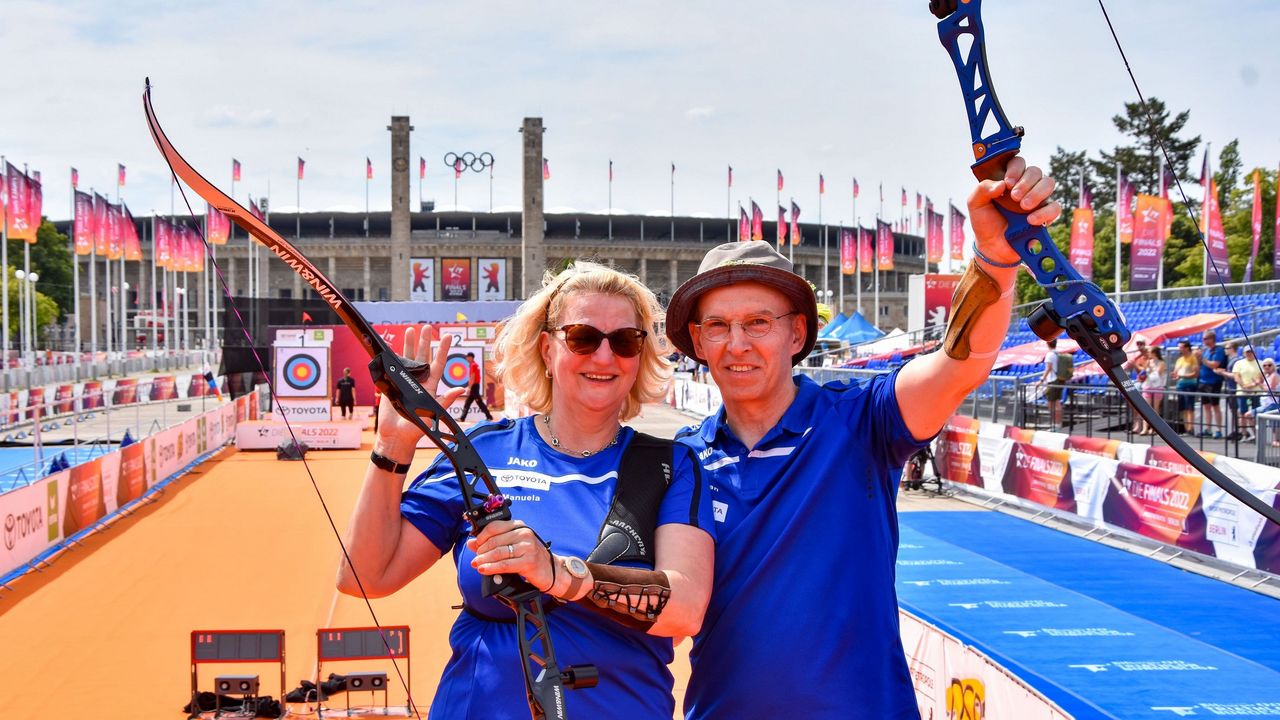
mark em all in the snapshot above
pixel 1207 375
pixel 565 499
pixel 803 620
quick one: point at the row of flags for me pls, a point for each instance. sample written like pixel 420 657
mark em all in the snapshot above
pixel 108 229
pixel 1145 224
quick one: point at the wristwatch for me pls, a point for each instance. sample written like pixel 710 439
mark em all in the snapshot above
pixel 578 572
pixel 383 462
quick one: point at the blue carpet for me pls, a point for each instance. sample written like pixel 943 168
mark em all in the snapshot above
pixel 1102 632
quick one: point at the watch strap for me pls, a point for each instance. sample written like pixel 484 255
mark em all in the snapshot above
pixel 383 462
pixel 575 582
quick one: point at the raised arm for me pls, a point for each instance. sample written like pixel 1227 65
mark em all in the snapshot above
pixel 930 388
pixel 385 549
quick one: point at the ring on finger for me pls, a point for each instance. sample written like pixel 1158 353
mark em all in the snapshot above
pixel 511 552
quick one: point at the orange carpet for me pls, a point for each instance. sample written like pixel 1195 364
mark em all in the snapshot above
pixel 240 543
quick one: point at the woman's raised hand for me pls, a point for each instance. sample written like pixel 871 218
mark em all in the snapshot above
pixel 397 437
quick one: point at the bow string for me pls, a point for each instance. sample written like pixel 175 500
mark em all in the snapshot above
pixel 1075 305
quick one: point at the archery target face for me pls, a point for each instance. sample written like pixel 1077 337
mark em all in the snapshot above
pixel 302 372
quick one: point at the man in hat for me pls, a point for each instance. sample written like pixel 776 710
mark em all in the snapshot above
pixel 803 617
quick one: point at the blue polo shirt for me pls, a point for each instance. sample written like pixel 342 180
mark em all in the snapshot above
pixel 803 620
pixel 566 500
pixel 1207 375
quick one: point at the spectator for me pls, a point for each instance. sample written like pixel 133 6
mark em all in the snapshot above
pixel 1058 369
pixel 1186 371
pixel 1212 357
pixel 1270 386
pixel 475 389
pixel 1229 386
pixel 344 394
pixel 1136 367
pixel 1246 373
pixel 1153 381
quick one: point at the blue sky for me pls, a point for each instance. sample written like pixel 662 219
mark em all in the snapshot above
pixel 843 88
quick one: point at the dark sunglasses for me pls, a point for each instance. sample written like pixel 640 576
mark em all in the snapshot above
pixel 584 339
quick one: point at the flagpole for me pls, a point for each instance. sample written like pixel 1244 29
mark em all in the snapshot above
pixel 840 275
pixel 857 255
pixel 4 262
pixel 75 277
pixel 610 210
pixel 673 202
pixel 875 263
pixel 1118 211
pixel 826 297
pixel 1204 215
pixel 155 340
pixel 366 201
pixel 170 339
pixel 109 327
pixel 728 207
pixel 297 184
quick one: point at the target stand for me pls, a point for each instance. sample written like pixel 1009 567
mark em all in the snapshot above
pixel 234 646
pixel 365 643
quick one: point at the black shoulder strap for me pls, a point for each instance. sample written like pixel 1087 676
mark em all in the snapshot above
pixel 643 477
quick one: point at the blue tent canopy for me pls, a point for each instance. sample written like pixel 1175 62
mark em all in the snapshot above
pixel 857 330
pixel 836 322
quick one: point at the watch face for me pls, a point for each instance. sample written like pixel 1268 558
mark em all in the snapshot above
pixel 401 164
pixel 576 567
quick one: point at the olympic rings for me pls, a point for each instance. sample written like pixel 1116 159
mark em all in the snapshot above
pixel 468 161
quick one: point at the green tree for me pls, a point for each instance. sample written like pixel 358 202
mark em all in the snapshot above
pixel 1228 174
pixel 1141 158
pixel 51 260
pixel 47 312
pixel 1068 168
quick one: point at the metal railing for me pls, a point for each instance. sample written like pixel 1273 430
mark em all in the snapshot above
pixel 69 368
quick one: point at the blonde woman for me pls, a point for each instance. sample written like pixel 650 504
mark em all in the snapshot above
pixel 582 353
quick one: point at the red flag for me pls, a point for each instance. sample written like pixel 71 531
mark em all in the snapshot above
pixel 306 317
pixel 610 171
pixel 757 222
pixel 673 169
pixel 75 178
pixel 120 174
pixel 884 245
pixel 933 234
pixel 162 243
pixel 848 253
pixel 16 216
pixel 1257 225
pixel 1145 251
pixel 457 169
pixel 822 184
pixel 866 257
pixel 881 194
pixel 256 211
pixel 1081 251
pixel 1167 180
pixel 115 232
pixel 235 170
pixel 302 164
pixel 855 188
pixel 422 168
pixel 780 180
pixel 546 169
pixel 730 176
pixel 795 223
pixel 744 224
pixel 368 169
pixel 83 223
pixel 1217 239
pixel 904 197
pixel 782 225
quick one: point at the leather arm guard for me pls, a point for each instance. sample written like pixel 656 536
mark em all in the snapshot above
pixel 632 596
pixel 976 292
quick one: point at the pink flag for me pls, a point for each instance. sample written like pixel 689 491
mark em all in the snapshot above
pixel 83 223
pixel 866 260
pixel 848 253
pixel 1257 225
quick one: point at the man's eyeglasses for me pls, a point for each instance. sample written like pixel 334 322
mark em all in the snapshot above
pixel 584 339
pixel 716 329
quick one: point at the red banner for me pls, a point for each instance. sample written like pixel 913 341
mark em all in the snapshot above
pixel 744 225
pixel 92 392
pixel 958 451
pixel 126 392
pixel 866 257
pixel 1124 209
pixel 83 223
pixel 17 204
pixel 165 387
pixel 132 481
pixel 933 234
pixel 957 233
pixel 161 242
pixel 757 222
pixel 1041 475
pixel 938 291
pixel 1148 241
pixel 132 245
pixel 115 232
pixel 1216 238
pixel 455 279
pixel 1256 224
pixel 64 399
pixel 1081 252
pixel 1100 446
pixel 85 504
pixel 101 225
pixel 35 201
pixel 848 253
pixel 884 246
pixel 781 234
pixel 1158 504
pixel 795 223
pixel 217 227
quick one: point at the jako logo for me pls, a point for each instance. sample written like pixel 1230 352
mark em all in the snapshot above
pixel 522 462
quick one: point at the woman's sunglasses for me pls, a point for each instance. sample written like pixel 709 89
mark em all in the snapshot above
pixel 584 339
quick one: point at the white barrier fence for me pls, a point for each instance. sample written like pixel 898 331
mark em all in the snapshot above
pixel 41 518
